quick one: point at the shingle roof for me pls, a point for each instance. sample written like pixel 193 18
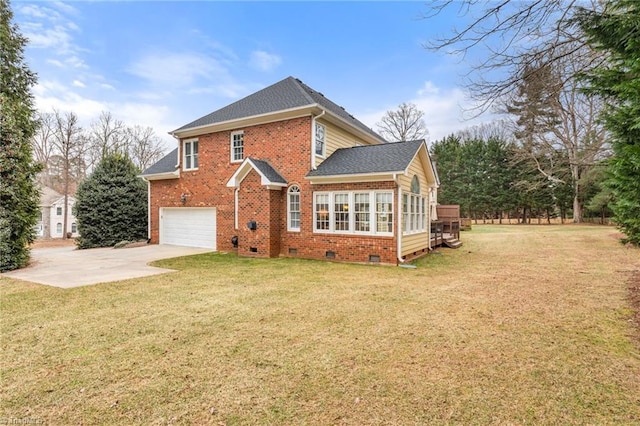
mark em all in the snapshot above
pixel 268 171
pixel 389 157
pixel 48 195
pixel 286 94
pixel 166 164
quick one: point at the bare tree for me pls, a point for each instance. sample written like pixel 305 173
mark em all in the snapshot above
pixel 504 33
pixel 144 147
pixel 69 142
pixel 43 145
pixel 404 124
pixel 557 126
pixel 498 129
pixel 108 135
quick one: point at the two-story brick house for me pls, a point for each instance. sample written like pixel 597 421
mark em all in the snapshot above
pixel 287 172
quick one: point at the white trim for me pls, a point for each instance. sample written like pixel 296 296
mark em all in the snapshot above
pixel 231 147
pixel 352 178
pixel 161 176
pixel 289 211
pixel 316 126
pixel 373 213
pixel 194 154
pixel 243 170
pixel 236 200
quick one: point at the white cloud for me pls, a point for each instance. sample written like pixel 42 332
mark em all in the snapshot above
pixel 176 69
pixel 445 111
pixel 51 94
pixel 264 61
pixel 78 83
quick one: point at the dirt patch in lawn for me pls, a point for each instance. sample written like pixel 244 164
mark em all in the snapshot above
pixel 53 243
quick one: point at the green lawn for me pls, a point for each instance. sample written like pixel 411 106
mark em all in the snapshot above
pixel 522 325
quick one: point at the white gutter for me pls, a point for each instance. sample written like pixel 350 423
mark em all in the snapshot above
pixel 148 207
pixel 399 221
pixel 313 139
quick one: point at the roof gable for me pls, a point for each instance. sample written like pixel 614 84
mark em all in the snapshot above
pixel 269 177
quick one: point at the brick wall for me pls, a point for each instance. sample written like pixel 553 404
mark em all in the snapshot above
pixel 286 145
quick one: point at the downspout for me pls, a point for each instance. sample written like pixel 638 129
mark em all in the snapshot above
pixel 428 224
pixel 148 208
pixel 313 139
pixel 399 221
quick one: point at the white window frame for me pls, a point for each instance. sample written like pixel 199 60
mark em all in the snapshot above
pixel 58 211
pixel 59 228
pixel 373 213
pixel 293 198
pixel 316 133
pixel 414 213
pixel 192 156
pixel 232 146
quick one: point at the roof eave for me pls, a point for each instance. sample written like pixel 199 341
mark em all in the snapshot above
pixel 162 176
pixel 247 121
pixel 354 177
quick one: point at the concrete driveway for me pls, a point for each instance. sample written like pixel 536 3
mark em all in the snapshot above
pixel 66 267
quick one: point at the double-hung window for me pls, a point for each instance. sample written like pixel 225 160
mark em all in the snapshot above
pixel 353 212
pixel 190 154
pixel 293 205
pixel 237 146
pixel 320 135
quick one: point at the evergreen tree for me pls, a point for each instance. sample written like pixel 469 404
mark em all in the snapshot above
pixel 111 204
pixel 19 197
pixel 616 31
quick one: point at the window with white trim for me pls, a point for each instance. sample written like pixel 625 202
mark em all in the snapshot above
pixel 320 136
pixel 293 206
pixel 58 228
pixel 361 210
pixel 353 212
pixel 237 146
pixel 190 154
pixel 414 213
pixel 384 212
pixel 74 227
pixel 58 211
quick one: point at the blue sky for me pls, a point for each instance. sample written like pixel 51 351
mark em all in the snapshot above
pixel 164 64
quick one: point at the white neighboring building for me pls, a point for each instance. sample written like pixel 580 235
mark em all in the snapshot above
pixel 50 223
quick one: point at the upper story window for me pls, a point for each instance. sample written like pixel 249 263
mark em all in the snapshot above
pixel 58 211
pixel 293 205
pixel 190 154
pixel 237 146
pixel 320 135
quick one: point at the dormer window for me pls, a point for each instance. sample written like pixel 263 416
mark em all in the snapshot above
pixel 237 147
pixel 190 155
pixel 320 133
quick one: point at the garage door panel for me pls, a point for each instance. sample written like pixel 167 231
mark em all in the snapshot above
pixel 193 227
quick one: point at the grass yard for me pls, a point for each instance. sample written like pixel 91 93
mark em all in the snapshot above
pixel 522 325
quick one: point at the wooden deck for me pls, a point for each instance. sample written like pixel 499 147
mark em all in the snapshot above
pixel 446 230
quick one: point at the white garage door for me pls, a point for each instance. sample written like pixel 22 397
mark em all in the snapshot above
pixel 193 227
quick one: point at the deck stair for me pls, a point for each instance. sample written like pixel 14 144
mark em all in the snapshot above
pixel 452 242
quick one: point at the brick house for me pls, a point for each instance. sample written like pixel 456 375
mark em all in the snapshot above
pixel 287 172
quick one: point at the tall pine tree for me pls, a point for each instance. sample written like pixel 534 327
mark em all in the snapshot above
pixel 19 197
pixel 616 31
